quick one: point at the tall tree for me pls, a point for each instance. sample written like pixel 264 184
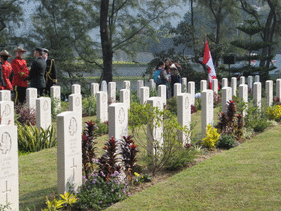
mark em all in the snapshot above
pixel 10 16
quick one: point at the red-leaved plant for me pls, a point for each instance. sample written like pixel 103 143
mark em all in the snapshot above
pixel 24 115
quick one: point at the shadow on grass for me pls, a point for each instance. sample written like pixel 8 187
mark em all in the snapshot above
pixel 36 200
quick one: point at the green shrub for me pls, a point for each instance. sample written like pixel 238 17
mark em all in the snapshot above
pixel 212 136
pixel 198 103
pixel 89 106
pixel 55 110
pixel 31 139
pixel 172 105
pixel 102 127
pixel 226 141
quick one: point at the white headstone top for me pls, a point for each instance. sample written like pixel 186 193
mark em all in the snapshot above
pixel 215 86
pixel 184 85
pixel 5 95
pixel 161 92
pixel 94 89
pixel 234 85
pixel 104 86
pixel 55 94
pixel 125 97
pixel 76 89
pixel 207 113
pixel 144 94
pixel 43 112
pixel 191 90
pixel 177 89
pixel 112 92
pixel 203 85
pixel 31 96
pixel 127 85
pixel 7 113
pixel 102 106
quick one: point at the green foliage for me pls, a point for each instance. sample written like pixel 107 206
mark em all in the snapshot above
pixel 226 141
pixel 198 103
pixel 98 193
pixel 89 106
pixel 55 109
pixel 31 139
pixel 102 127
pixel 274 113
pixel 67 200
pixel 256 119
pixel 172 105
pixel 5 207
pixel 212 136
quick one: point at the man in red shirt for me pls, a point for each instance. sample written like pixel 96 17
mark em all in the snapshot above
pixel 6 71
pixel 20 74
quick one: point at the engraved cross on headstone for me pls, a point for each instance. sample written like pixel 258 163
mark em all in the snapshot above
pixel 73 169
pixel 6 192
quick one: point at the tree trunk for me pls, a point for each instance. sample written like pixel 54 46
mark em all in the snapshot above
pixel 106 43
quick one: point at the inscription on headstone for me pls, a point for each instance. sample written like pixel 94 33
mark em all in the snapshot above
pixel 5 95
pixel 7 112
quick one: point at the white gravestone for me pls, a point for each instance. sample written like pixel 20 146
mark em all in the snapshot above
pixel 75 104
pixel 184 85
pixel 257 78
pixel 102 106
pixel 184 116
pixel 9 179
pixel 269 92
pixel 215 86
pixel 161 92
pixel 243 94
pixel 250 82
pixel 76 89
pixel 69 151
pixel 152 84
pixel 43 112
pixel 242 80
pixel 226 97
pixel 191 90
pixel 104 86
pixel 177 89
pixel 31 96
pixel 257 94
pixel 144 94
pixel 118 121
pixel 126 85
pixel 94 89
pixel 5 95
pixel 125 97
pixel 139 85
pixel 207 113
pixel 203 85
pixel 224 82
pixel 7 112
pixel 234 85
pixel 55 94
pixel 154 134
pixel 112 92
pixel 278 89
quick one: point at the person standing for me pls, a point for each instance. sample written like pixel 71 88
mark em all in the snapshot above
pixel 20 72
pixel 37 72
pixel 51 72
pixel 175 75
pixel 6 70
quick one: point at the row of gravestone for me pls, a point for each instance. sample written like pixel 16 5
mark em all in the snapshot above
pixel 69 125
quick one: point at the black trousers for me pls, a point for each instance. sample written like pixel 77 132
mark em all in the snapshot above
pixel 20 94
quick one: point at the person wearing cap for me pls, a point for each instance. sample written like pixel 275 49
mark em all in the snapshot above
pixel 37 72
pixel 20 72
pixel 51 72
pixel 175 75
pixel 6 70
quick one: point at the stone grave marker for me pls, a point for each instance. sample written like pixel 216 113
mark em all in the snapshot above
pixel 161 92
pixel 257 78
pixel 104 86
pixel 184 85
pixel 203 85
pixel 139 85
pixel 5 95
pixel 112 92
pixel 154 133
pixel 94 89
pixel 257 94
pixel 69 150
pixel 269 92
pixel 76 89
pixel 207 112
pixel 126 85
pixel 215 85
pixel 75 103
pixel 144 94
pixel 278 89
pixel 152 84
pixel 184 115
pixel 9 179
pixel 102 106
pixel 243 94
pixel 234 85
pixel 125 97
pixel 191 91
pixel 43 112
pixel 242 80
pixel 224 82
pixel 226 97
pixel 250 82
pixel 55 94
pixel 177 89
pixel 118 121
pixel 7 113
pixel 31 96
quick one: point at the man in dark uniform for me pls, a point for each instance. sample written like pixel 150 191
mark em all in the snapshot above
pixel 37 72
pixel 51 72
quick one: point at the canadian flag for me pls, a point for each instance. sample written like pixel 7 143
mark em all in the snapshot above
pixel 208 61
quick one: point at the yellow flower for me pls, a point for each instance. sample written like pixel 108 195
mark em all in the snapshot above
pixel 136 174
